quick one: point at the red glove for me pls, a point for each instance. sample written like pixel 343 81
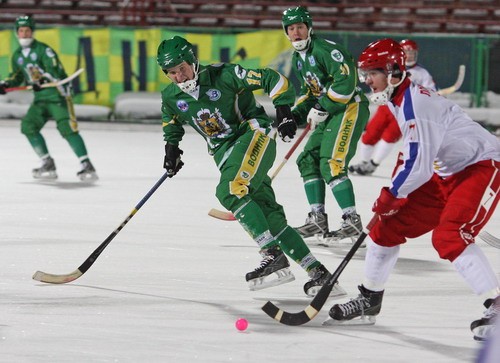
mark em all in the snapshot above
pixel 387 204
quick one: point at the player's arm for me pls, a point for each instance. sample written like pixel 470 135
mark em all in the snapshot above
pixel 274 84
pixel 342 81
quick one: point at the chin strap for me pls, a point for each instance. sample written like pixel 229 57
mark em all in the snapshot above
pixel 381 98
pixel 190 85
pixel 303 44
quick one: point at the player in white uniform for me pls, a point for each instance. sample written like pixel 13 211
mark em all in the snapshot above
pixel 382 131
pixel 447 181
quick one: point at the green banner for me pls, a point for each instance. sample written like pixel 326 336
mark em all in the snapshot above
pixel 117 60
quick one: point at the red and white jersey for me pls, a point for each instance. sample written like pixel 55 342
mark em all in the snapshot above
pixel 421 76
pixel 438 137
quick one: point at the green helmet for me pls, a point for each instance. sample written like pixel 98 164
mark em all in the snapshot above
pixel 295 15
pixel 25 20
pixel 174 51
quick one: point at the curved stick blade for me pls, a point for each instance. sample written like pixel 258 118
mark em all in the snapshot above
pixel 56 279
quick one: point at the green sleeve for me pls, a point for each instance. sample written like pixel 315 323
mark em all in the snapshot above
pixel 343 80
pixel 16 77
pixel 173 131
pixel 276 85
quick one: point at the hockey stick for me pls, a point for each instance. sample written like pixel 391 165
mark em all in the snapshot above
pixel 62 279
pixel 457 85
pixel 228 216
pixel 490 239
pixel 50 84
pixel 319 300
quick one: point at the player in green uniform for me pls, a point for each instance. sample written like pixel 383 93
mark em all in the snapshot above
pixel 332 102
pixel 217 101
pixel 36 63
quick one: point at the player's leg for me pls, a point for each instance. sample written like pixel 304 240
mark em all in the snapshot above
pixel 31 124
pixel 63 114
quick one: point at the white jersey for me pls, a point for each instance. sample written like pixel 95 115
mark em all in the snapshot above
pixel 421 76
pixel 438 137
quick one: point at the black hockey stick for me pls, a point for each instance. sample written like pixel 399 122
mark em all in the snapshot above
pixel 319 300
pixel 62 279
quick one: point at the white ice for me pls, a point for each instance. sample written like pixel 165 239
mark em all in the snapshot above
pixel 171 285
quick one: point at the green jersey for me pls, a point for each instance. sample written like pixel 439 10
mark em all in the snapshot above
pixel 34 64
pixel 329 77
pixel 223 106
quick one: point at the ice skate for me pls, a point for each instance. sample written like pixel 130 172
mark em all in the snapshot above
pixel 274 270
pixel 483 328
pixel 319 276
pixel 316 223
pixel 351 227
pixel 363 168
pixel 46 171
pixel 359 311
pixel 87 173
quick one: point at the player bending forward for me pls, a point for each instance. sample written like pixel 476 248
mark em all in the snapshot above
pixel 382 131
pixel 217 101
pixel 447 181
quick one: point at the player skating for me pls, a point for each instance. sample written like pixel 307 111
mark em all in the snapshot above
pixel 35 63
pixel 447 181
pixel 331 101
pixel 217 101
pixel 382 131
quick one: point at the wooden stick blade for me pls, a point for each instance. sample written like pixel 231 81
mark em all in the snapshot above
pixel 225 216
pixel 56 279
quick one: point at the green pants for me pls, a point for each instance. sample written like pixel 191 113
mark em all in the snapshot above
pixel 244 183
pixel 333 144
pixel 62 112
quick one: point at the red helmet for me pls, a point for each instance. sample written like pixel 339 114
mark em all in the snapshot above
pixel 408 44
pixel 385 54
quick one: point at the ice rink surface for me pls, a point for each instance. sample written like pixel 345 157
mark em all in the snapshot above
pixel 171 285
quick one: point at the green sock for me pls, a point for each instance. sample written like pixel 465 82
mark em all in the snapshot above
pixel 344 194
pixel 78 146
pixel 295 247
pixel 38 144
pixel 255 223
pixel 315 191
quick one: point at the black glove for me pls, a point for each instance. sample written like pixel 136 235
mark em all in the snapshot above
pixel 37 87
pixel 3 86
pixel 286 124
pixel 172 161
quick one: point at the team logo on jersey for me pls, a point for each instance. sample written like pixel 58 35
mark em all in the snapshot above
pixel 337 56
pixel 211 123
pixel 35 72
pixel 314 84
pixel 50 53
pixel 240 72
pixel 312 61
pixel 299 65
pixel 182 105
pixel 213 94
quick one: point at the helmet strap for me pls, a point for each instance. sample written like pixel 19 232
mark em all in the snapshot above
pixel 302 45
pixel 381 98
pixel 190 85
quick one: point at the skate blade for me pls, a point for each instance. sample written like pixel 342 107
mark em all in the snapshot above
pixel 362 320
pixel 482 333
pixel 279 277
pixel 332 242
pixel 50 175
pixel 336 293
pixel 88 177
